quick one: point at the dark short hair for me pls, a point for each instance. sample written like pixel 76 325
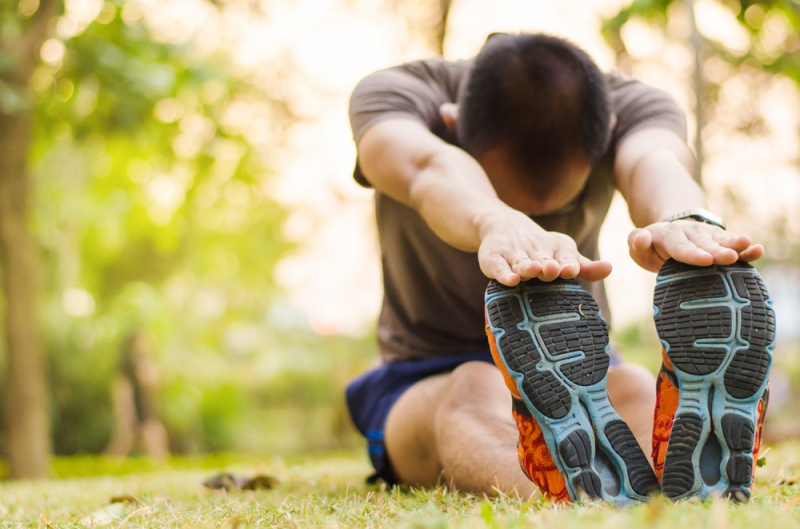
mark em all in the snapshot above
pixel 540 96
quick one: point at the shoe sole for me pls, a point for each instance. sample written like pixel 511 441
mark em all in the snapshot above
pixel 717 327
pixel 553 342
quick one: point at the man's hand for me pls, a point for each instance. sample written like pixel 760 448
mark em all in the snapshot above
pixel 516 249
pixel 690 242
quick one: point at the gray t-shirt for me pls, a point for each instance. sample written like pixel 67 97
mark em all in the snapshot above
pixel 433 293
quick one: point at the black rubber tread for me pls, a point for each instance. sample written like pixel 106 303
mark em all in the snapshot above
pixel 678 477
pixel 576 452
pixel 740 469
pixel 576 449
pixel 744 375
pixel 589 334
pixel 737 494
pixel 746 372
pixel 672 266
pixel 495 286
pixel 589 482
pixel 739 433
pixel 681 327
pixel 547 394
pixel 748 368
pixel 543 389
pixel 505 313
pixel 551 302
pixel 640 475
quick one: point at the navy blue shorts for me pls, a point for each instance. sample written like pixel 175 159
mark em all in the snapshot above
pixel 370 397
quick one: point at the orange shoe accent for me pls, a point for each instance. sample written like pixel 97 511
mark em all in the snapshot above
pixel 762 411
pixel 666 360
pixel 667 397
pixel 537 462
pixel 512 386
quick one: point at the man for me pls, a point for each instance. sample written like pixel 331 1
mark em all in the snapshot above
pixel 503 167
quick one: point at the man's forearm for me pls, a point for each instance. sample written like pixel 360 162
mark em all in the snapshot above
pixel 454 197
pixel 654 174
pixel 652 169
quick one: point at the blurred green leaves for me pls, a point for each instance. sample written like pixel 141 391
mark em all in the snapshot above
pixel 152 174
pixel 772 28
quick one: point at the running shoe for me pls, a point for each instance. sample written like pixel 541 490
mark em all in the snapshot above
pixel 717 327
pixel 551 344
pixel 667 396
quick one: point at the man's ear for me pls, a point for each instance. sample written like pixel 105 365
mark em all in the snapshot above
pixel 495 34
pixel 449 113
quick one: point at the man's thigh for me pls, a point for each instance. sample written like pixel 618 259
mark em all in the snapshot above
pixel 475 389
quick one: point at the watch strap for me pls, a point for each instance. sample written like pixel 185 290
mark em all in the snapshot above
pixel 699 215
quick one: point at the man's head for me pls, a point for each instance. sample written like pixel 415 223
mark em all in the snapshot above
pixel 535 113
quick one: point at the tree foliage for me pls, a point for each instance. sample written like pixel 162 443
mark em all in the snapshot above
pixel 754 42
pixel 151 172
pixel 773 28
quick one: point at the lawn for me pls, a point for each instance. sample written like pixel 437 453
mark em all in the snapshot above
pixel 330 491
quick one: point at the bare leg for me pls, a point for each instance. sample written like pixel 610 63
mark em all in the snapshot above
pixel 632 390
pixel 457 428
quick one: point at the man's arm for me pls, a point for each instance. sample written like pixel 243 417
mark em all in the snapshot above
pixel 653 172
pixel 449 189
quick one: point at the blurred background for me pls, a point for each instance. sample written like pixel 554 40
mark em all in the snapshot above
pixel 188 265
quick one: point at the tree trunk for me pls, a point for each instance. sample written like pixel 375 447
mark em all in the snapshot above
pixel 27 418
pixel 440 29
pixel 698 84
pixel 26 408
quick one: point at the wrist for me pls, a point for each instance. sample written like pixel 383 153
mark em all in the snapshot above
pixel 488 221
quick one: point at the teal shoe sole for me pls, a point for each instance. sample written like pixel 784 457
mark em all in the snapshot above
pixel 717 327
pixel 553 342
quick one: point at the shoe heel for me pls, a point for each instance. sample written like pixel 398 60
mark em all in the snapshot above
pixel 717 327
pixel 552 343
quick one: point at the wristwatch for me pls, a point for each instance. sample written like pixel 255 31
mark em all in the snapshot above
pixel 700 215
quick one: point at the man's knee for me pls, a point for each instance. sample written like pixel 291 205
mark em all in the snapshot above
pixel 471 386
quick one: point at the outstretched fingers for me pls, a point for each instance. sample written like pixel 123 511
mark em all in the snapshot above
pixel 640 243
pixel 497 267
pixel 689 242
pixel 593 270
pixel 674 243
pixel 753 253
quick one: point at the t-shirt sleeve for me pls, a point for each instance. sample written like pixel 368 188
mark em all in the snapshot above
pixel 638 106
pixel 392 93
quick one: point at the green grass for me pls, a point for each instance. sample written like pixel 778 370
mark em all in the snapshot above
pixel 330 492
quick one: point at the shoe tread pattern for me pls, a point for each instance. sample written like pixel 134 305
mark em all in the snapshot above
pixel 749 367
pixel 680 327
pixel 548 392
pixel 679 475
pixel 732 294
pixel 576 453
pixel 739 434
pixel 589 334
pixel 543 389
pixel 640 475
